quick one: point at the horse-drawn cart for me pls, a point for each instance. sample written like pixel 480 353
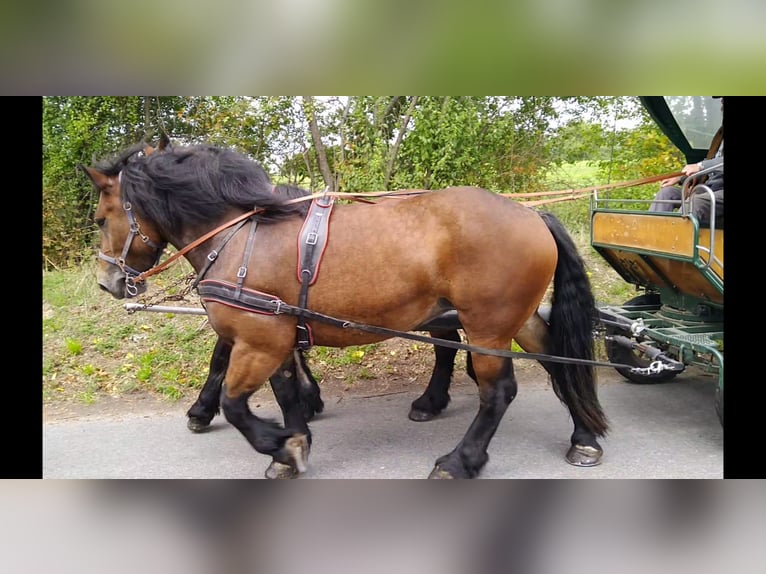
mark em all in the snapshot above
pixel 675 263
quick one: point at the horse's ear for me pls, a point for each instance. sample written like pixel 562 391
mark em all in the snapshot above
pixel 99 179
pixel 163 144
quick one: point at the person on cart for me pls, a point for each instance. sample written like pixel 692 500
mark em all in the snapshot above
pixel 668 198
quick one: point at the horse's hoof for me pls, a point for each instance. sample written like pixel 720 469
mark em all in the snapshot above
pixel 440 474
pixel 581 455
pixel 197 425
pixel 420 416
pixel 297 449
pixel 279 470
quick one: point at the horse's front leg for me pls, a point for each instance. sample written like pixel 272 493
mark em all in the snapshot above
pixel 289 391
pixel 288 446
pixel 207 405
pixel 208 402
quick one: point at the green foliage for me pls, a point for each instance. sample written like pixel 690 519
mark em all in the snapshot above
pixel 340 357
pixel 91 345
pixel 639 153
pixel 492 142
pixel 88 370
pixel 74 347
pixel 74 129
pixel 503 143
pixel 580 141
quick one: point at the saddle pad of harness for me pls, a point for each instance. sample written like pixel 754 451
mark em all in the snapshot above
pixel 312 239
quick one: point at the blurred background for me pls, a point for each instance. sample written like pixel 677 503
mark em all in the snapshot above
pixel 343 46
pixel 371 527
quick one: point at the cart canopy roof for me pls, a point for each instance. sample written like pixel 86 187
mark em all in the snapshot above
pixel 690 122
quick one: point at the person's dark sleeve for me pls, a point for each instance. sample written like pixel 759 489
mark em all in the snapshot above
pixel 712 162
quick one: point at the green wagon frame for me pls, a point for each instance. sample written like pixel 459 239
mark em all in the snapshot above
pixel 677 319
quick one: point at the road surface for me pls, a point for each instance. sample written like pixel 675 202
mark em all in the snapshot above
pixel 657 431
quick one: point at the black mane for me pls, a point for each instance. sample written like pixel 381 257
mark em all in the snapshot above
pixel 114 165
pixel 189 186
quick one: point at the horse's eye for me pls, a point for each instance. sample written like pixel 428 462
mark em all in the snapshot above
pixel 101 221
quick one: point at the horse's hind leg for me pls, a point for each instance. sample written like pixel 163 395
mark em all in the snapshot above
pixel 436 396
pixel 208 402
pixel 585 449
pixel 497 388
pixel 287 446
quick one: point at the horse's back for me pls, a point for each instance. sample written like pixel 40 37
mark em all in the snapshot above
pixel 398 261
pixel 441 230
pixel 466 214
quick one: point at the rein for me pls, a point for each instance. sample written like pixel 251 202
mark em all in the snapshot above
pixel 165 264
pixel 253 301
pixel 358 196
pixel 567 193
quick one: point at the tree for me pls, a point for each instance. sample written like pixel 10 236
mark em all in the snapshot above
pixel 349 143
pixel 74 130
pixel 310 109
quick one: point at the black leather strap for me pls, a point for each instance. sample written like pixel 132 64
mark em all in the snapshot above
pixel 257 302
pixel 242 272
pixel 311 245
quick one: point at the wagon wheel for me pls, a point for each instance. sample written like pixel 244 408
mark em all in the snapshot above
pixel 619 354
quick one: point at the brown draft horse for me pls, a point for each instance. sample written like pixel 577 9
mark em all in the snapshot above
pixel 432 402
pixel 394 264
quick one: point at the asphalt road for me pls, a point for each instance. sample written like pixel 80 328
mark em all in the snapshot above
pixel 658 431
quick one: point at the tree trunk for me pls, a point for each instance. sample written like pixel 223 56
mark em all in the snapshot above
pixel 147 118
pixel 342 128
pixel 395 149
pixel 324 166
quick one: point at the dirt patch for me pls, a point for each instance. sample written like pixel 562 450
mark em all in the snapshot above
pixel 393 366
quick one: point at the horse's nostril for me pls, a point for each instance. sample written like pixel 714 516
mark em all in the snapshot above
pixel 103 288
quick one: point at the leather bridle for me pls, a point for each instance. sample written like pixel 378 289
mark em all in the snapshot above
pixel 135 231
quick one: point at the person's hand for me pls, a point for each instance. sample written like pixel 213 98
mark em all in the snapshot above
pixel 670 181
pixel 691 169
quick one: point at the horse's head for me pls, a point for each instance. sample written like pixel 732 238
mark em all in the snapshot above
pixel 128 245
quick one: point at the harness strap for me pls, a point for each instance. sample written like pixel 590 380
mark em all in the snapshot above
pixel 264 303
pixel 312 241
pixel 181 252
pixel 135 230
pixel 213 255
pixel 242 272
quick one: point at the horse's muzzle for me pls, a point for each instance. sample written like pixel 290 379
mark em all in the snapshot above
pixel 117 287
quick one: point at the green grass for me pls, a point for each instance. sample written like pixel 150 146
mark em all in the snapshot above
pixel 573 176
pixel 74 347
pixel 92 345
pixel 340 357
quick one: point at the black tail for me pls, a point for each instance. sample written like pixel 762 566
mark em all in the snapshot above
pixel 571 332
